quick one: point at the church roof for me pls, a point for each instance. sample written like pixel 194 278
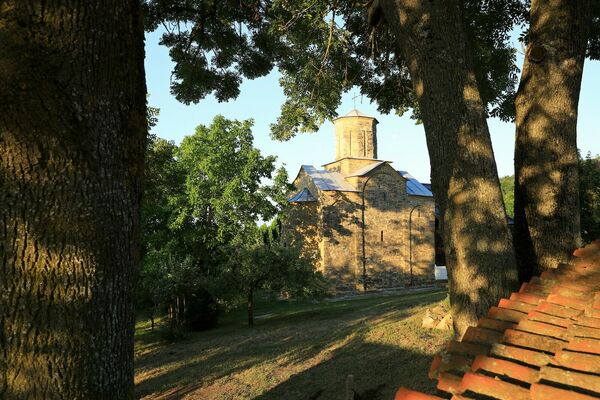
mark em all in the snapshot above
pixel 356 113
pixel 366 169
pixel 328 180
pixel 414 187
pixel 304 196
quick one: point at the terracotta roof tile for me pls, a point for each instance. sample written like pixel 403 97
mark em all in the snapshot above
pixel 505 368
pixel 570 378
pixel 407 394
pixel 495 324
pixel 492 387
pixel 525 356
pixel 542 343
pixel 578 361
pixel 544 392
pixel 504 314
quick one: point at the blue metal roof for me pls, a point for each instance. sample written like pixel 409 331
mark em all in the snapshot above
pixel 413 186
pixel 328 180
pixel 365 170
pixel 302 196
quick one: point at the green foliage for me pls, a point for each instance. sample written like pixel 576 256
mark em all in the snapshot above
pixel 200 240
pixel 589 197
pixel 322 48
pixel 507 185
pixel 224 172
pixel 271 234
pixel 163 184
pixel 152 114
pixel 593 50
pixel 258 261
pixel 214 43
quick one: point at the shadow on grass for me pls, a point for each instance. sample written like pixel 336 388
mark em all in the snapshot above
pixel 375 372
pixel 305 351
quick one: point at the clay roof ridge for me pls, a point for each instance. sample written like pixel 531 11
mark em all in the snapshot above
pixel 541 343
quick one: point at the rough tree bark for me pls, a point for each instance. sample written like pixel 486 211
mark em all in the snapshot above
pixel 72 132
pixel 479 252
pixel 547 226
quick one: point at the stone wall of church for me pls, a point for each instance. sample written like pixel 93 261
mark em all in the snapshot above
pixel 389 231
pixel 423 237
pixel 341 238
pixel 302 225
pixel 332 230
pixel 355 137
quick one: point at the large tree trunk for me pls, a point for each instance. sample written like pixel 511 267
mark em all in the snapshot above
pixel 479 252
pixel 547 227
pixel 72 132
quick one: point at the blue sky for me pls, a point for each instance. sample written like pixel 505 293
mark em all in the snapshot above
pixel 399 139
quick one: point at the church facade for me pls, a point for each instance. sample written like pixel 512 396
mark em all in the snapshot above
pixel 366 224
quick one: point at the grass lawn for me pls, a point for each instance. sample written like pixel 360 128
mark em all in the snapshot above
pixel 297 350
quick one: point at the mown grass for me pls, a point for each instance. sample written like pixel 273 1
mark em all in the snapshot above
pixel 298 350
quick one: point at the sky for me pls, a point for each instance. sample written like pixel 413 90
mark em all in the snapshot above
pixel 399 139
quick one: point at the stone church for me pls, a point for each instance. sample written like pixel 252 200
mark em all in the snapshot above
pixel 366 224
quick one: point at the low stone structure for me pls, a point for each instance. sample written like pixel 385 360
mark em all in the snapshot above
pixel 367 224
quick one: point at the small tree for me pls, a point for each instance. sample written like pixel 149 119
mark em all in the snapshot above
pixel 257 263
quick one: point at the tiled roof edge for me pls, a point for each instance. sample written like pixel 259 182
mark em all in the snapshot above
pixel 541 343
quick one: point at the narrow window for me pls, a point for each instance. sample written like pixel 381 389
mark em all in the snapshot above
pixel 384 196
pixel 350 143
pixel 364 133
pixel 382 236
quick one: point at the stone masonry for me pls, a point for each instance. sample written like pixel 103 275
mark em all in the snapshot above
pixel 363 221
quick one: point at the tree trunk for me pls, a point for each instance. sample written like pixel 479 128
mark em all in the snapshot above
pixel 72 132
pixel 250 307
pixel 479 252
pixel 547 223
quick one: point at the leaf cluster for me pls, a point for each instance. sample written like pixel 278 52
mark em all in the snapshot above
pixel 589 197
pixel 213 43
pixel 507 185
pixel 200 207
pixel 255 264
pixel 322 48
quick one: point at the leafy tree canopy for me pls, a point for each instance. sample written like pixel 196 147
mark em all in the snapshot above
pixel 589 197
pixel 200 208
pixel 224 179
pixel 322 48
pixel 260 261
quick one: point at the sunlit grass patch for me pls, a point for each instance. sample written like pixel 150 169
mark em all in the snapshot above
pixel 298 350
